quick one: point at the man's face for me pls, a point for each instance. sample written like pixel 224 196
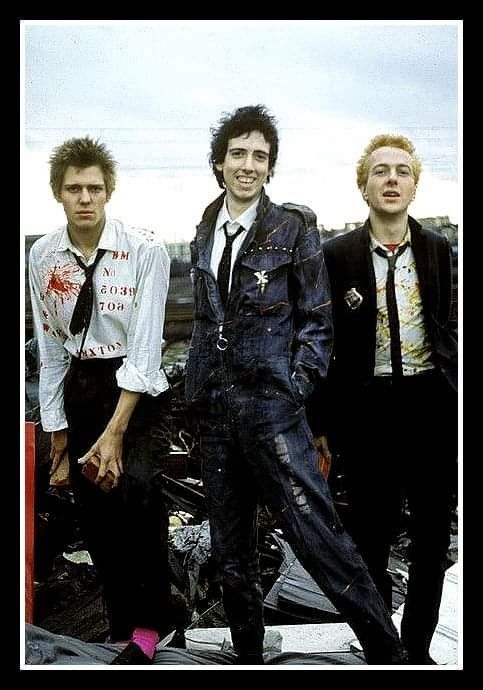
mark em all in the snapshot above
pixel 83 196
pixel 245 168
pixel 390 184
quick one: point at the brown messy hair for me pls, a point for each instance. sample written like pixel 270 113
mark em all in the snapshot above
pixel 81 153
pixel 249 118
pixel 396 141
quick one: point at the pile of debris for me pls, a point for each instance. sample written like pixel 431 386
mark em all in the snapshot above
pixel 67 597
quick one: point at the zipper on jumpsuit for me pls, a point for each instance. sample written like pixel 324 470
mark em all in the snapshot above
pixel 222 342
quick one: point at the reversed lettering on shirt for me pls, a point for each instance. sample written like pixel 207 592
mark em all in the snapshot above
pixel 101 350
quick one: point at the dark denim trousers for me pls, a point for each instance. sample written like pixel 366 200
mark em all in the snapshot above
pixel 244 462
pixel 127 529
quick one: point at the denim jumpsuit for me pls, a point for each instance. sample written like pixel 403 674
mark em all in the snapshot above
pixel 250 368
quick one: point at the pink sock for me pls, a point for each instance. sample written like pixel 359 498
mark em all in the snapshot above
pixel 146 639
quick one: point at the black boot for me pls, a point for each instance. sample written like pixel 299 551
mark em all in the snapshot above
pixel 393 657
pixel 421 660
pixel 249 659
pixel 132 655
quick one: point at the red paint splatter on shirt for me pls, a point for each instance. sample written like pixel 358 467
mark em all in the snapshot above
pixel 60 281
pixel 61 284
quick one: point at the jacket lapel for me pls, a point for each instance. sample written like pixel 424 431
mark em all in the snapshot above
pixel 421 258
pixel 204 231
pixel 203 240
pixel 257 226
pixel 361 269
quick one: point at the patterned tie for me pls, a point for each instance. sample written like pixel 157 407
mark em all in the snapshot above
pixel 81 316
pixel 392 312
pixel 224 267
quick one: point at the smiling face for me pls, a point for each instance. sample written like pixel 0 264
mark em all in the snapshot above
pixel 245 168
pixel 390 186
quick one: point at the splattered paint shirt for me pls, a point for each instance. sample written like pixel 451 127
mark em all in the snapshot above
pixel 130 289
pixel 415 346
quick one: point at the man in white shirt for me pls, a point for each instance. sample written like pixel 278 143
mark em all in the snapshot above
pixel 262 339
pixel 98 290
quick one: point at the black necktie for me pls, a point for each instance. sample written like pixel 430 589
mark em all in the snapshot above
pixel 392 312
pixel 224 267
pixel 81 316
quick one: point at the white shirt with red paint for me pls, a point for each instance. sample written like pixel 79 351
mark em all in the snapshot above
pixel 130 288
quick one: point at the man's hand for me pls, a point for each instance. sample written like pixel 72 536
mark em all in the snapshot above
pixel 108 447
pixel 59 469
pixel 58 448
pixel 325 456
pixel 108 451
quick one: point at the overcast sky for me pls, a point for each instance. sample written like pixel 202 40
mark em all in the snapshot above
pixel 151 91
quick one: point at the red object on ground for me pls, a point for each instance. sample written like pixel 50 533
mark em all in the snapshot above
pixel 29 519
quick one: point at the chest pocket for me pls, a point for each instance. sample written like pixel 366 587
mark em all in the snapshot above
pixel 263 280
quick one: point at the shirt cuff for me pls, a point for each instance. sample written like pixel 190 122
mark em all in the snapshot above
pixel 52 421
pixel 131 379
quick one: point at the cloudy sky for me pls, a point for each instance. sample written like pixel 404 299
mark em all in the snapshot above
pixel 151 90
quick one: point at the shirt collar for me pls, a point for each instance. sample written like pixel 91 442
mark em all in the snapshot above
pixel 246 219
pixel 375 242
pixel 107 239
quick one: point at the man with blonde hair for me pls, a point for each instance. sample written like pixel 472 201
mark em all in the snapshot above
pixel 98 292
pixel 392 383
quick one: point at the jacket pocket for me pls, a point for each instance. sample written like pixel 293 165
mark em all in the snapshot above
pixel 263 281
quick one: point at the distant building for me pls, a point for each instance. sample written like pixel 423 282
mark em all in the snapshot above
pixel 442 224
pixel 437 223
pixel 179 250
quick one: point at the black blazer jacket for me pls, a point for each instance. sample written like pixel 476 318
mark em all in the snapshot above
pixel 349 264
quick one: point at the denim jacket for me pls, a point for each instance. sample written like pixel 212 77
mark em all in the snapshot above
pixel 275 336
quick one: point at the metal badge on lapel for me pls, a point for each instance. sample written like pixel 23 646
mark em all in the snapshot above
pixel 353 299
pixel 262 279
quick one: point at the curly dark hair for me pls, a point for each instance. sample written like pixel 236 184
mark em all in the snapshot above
pixel 243 120
pixel 81 153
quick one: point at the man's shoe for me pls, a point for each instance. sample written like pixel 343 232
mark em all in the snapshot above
pixel 178 640
pixel 421 660
pixel 132 654
pixel 398 656
pixel 249 660
pixel 405 659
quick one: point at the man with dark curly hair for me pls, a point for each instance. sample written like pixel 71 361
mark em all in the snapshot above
pixel 262 339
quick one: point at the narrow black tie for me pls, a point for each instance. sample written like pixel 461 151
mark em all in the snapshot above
pixel 224 267
pixel 392 312
pixel 81 316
